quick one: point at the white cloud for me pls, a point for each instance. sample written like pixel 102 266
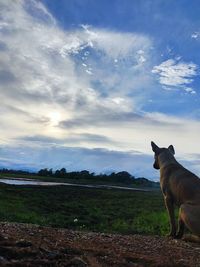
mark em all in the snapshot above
pixel 195 35
pixel 112 44
pixel 190 90
pixel 173 73
pixel 116 44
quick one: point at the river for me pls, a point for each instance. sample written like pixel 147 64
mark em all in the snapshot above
pixel 21 181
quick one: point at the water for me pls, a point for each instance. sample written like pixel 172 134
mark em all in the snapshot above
pixel 26 182
pixel 21 181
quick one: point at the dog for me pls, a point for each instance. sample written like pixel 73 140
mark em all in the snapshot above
pixel 180 187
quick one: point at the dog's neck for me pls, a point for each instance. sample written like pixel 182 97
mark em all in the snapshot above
pixel 166 159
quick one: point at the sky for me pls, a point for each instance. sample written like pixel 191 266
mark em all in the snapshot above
pixel 89 84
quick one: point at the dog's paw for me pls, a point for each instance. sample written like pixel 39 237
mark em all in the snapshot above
pixel 171 235
pixel 178 236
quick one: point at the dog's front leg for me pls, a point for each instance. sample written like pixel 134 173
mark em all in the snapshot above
pixel 170 208
pixel 181 224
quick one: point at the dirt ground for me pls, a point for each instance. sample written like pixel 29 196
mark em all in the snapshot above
pixel 32 245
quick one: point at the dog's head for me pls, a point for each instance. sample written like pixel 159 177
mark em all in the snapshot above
pixel 157 151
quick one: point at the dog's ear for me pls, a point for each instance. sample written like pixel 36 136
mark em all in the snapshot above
pixel 155 148
pixel 171 149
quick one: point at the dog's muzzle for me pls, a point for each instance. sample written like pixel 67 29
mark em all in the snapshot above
pixel 155 165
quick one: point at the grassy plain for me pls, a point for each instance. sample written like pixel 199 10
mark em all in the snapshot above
pixel 100 210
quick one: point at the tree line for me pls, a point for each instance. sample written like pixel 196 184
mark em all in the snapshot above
pixel 122 177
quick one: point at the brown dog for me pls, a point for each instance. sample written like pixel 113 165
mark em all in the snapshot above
pixel 179 187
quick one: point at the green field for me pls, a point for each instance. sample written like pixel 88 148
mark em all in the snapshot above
pixel 100 210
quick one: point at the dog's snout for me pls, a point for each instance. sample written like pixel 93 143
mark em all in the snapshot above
pixel 155 165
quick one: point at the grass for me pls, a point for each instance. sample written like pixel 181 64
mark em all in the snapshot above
pixel 100 210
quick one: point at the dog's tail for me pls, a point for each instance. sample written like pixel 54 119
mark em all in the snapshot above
pixel 191 238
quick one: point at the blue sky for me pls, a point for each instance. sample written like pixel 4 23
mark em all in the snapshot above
pixel 88 84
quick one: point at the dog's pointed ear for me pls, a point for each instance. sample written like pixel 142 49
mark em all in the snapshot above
pixel 171 149
pixel 155 148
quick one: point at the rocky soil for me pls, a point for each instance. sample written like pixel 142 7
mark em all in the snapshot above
pixel 32 245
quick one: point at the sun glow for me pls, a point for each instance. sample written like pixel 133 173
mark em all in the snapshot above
pixel 55 118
